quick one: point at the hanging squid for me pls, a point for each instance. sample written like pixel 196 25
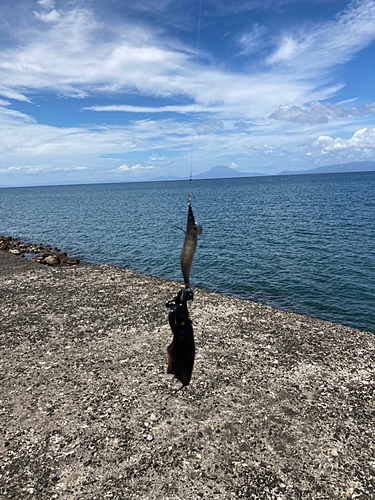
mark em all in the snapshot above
pixel 181 352
pixel 193 229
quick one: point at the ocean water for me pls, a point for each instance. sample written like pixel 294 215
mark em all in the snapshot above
pixel 302 243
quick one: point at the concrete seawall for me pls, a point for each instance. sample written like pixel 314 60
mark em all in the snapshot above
pixel 280 406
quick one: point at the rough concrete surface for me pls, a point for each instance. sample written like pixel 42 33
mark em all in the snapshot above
pixel 280 406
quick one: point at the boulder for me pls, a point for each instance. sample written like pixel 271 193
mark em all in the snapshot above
pixel 15 251
pixel 62 257
pixel 52 260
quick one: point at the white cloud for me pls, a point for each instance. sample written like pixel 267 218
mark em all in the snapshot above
pixel 148 109
pixel 49 17
pixel 250 41
pixel 10 170
pixel 320 47
pixel 264 148
pixel 319 113
pixel 134 168
pixel 241 125
pixel 287 49
pixel 7 113
pixel 47 4
pixel 155 157
pixel 78 55
pixel 37 169
pixel 50 169
pixel 209 127
pixel 363 139
pixel 346 101
pixel 13 94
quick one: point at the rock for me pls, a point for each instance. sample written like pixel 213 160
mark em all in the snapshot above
pixel 52 260
pixel 73 262
pixel 44 254
pixel 62 257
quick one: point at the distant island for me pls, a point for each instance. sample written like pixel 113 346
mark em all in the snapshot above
pixel 218 172
pixel 222 172
pixel 357 166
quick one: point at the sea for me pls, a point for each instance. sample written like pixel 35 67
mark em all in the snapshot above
pixel 302 243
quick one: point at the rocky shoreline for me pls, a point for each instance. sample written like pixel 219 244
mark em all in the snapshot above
pixel 43 254
pixel 280 406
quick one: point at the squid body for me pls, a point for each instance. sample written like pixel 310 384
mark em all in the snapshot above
pixel 193 229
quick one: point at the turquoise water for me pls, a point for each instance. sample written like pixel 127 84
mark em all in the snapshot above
pixel 301 243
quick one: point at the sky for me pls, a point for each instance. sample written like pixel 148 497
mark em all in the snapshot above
pixel 94 91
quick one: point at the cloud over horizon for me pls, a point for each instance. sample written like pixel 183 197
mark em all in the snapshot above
pixel 363 139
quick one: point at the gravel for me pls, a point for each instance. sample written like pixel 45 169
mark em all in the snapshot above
pixel 280 406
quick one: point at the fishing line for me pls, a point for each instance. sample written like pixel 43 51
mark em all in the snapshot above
pixel 181 352
pixel 195 87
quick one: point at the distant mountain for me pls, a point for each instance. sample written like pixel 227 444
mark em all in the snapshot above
pixel 221 172
pixel 357 166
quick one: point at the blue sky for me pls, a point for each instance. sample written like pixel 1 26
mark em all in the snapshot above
pixel 119 91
